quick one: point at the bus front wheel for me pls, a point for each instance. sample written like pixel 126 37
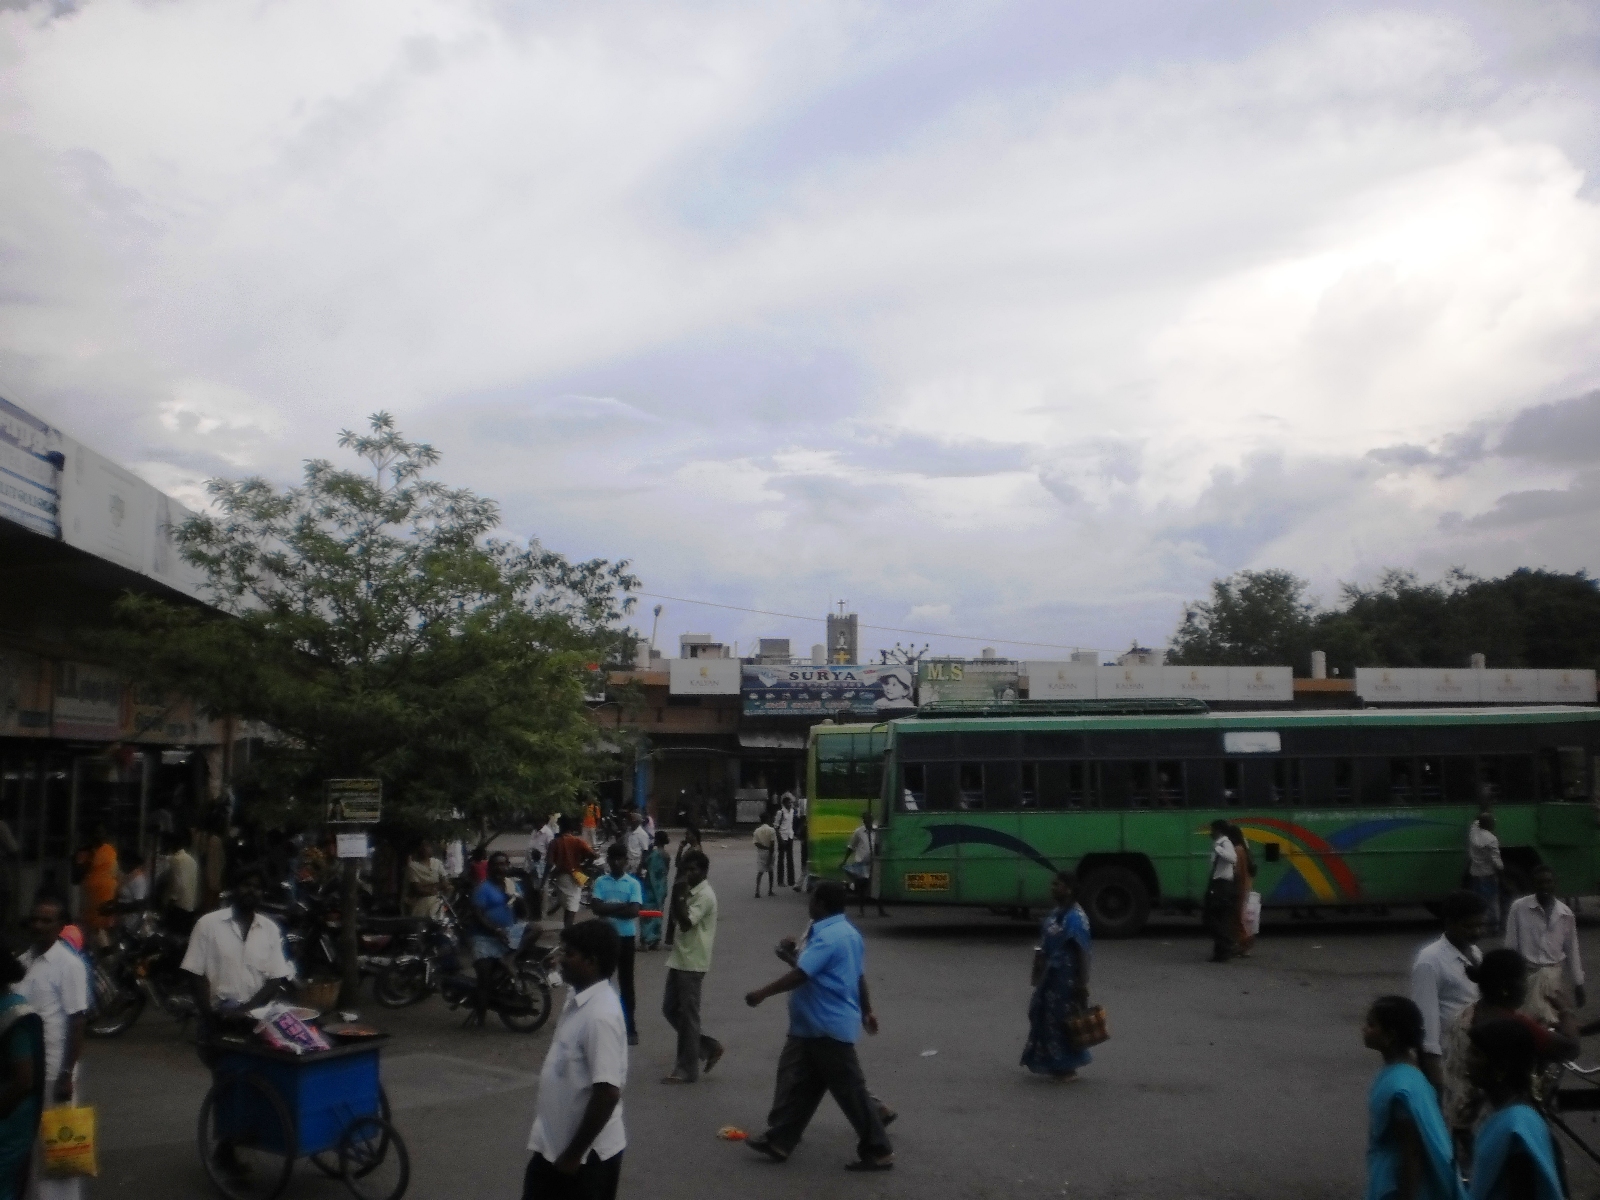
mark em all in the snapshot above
pixel 1117 901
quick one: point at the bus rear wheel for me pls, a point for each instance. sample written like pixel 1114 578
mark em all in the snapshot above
pixel 1117 901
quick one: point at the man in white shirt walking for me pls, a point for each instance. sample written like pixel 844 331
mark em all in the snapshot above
pixel 1543 930
pixel 783 826
pixel 578 1136
pixel 1222 892
pixel 1439 983
pixel 1484 866
pixel 57 988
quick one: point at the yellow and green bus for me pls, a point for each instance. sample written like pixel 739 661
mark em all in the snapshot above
pixel 1353 810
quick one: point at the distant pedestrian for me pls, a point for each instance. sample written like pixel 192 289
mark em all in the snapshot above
pixel 857 864
pixel 802 835
pixel 1409 1155
pixel 618 897
pixel 689 843
pixel 783 824
pixel 591 824
pixel 1222 893
pixel 182 886
pixel 1543 930
pixel 829 1005
pixel 1244 875
pixel 1440 986
pixel 1484 866
pixel 578 1136
pixel 56 987
pixel 1514 1156
pixel 1060 985
pixel 22 1078
pixel 568 853
pixel 538 858
pixel 765 840
pixel 694 905
pixel 657 870
pixel 637 841
pixel 425 881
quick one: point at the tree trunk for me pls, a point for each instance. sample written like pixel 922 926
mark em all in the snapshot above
pixel 349 941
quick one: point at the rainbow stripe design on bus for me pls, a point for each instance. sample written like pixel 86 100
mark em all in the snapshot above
pixel 1318 872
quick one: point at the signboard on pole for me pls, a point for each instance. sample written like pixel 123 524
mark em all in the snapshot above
pixel 983 680
pixel 354 801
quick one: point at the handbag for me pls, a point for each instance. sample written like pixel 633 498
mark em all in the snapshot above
pixel 1087 1027
pixel 66 1135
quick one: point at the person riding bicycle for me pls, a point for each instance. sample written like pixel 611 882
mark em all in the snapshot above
pixel 496 932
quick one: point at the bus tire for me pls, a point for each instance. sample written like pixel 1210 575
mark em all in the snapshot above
pixel 1117 901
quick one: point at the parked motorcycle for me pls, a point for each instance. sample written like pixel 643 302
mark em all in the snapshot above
pixel 143 965
pixel 421 961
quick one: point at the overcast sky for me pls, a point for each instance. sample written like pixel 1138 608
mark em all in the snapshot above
pixel 1024 320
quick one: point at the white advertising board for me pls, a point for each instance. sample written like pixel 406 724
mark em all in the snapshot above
pixel 1388 685
pixel 1509 687
pixel 1264 685
pixel 703 676
pixel 1202 683
pixel 1566 687
pixel 1061 681
pixel 1123 683
pixel 1464 686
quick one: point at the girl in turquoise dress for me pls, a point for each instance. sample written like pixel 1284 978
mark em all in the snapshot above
pixel 1060 985
pixel 653 872
pixel 1409 1152
pixel 1513 1155
pixel 21 1080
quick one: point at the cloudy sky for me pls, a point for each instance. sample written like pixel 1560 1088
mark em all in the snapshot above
pixel 1023 320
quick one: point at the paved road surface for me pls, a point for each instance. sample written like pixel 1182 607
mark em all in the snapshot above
pixel 1242 1080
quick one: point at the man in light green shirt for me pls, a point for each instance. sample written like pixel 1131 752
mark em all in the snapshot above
pixel 694 906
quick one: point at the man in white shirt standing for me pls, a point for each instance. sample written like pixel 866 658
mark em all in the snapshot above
pixel 783 825
pixel 578 1136
pixel 1484 866
pixel 1543 930
pixel 236 954
pixel 1439 983
pixel 57 988
pixel 1222 892
pixel 637 841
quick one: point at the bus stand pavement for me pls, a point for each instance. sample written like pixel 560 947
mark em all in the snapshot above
pixel 1240 1080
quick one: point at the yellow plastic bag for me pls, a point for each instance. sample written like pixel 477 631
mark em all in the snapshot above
pixel 67 1135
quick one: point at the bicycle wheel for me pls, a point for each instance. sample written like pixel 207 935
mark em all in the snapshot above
pixel 373 1161
pixel 246 1138
pixel 327 1161
pixel 532 1002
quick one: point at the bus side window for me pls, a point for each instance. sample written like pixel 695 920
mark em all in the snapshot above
pixel 1030 785
pixel 834 780
pixel 1204 779
pixel 1169 784
pixel 1232 782
pixel 1459 781
pixel 1344 781
pixel 1373 774
pixel 913 787
pixel 1141 792
pixel 1116 784
pixel 1002 786
pixel 1286 784
pixel 1491 782
pixel 1316 777
pixel 1055 785
pixel 1561 775
pixel 943 795
pixel 971 782
pixel 1519 779
pixel 1430 780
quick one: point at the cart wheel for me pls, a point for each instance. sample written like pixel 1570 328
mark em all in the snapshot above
pixel 373 1161
pixel 247 1141
pixel 328 1160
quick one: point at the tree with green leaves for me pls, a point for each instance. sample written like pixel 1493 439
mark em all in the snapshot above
pixel 1254 618
pixel 370 618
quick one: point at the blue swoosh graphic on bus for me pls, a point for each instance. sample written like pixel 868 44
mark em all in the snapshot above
pixel 943 836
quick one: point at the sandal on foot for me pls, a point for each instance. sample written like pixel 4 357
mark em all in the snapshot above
pixel 886 1163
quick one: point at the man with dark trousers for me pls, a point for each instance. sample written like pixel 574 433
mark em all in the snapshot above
pixel 828 1007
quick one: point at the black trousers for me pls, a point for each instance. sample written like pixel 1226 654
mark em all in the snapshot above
pixel 800 828
pixel 807 1068
pixel 785 861
pixel 595 1180
pixel 625 979
pixel 1222 909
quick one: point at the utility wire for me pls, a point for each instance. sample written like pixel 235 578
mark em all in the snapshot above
pixel 966 637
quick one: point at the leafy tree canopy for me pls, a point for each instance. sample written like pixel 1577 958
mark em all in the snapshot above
pixel 1529 618
pixel 371 619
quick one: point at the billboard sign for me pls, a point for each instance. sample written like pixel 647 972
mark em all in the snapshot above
pixel 1388 685
pixel 978 681
pixel 24 694
pixel 88 702
pixel 1566 687
pixel 703 677
pixel 839 688
pixel 1062 681
pixel 30 471
pixel 354 801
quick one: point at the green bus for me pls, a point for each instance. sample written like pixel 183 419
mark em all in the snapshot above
pixel 844 778
pixel 1352 809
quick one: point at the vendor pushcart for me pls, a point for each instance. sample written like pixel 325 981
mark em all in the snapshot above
pixel 268 1107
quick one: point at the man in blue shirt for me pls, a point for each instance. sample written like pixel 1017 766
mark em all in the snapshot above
pixel 617 897
pixel 495 931
pixel 828 1008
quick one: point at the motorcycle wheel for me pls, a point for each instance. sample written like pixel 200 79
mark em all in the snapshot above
pixel 531 996
pixel 117 1006
pixel 401 985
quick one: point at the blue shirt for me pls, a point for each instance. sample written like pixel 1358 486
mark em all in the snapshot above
pixel 491 900
pixel 828 1003
pixel 626 890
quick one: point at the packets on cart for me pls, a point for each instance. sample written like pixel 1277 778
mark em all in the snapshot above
pixel 285 1031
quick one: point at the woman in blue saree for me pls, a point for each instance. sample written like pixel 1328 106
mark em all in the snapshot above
pixel 21 1080
pixel 1409 1152
pixel 1060 985
pixel 1514 1157
pixel 653 872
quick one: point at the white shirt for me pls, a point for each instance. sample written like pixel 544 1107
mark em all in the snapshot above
pixel 1223 857
pixel 638 843
pixel 784 824
pixel 590 1046
pixel 1483 853
pixel 861 845
pixel 236 966
pixel 1440 987
pixel 134 889
pixel 800 806
pixel 185 889
pixel 1545 939
pixel 57 988
pixel 541 839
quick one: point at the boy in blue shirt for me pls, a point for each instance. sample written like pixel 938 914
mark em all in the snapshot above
pixel 828 1008
pixel 617 897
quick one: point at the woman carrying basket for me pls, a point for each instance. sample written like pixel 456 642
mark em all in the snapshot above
pixel 1060 986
